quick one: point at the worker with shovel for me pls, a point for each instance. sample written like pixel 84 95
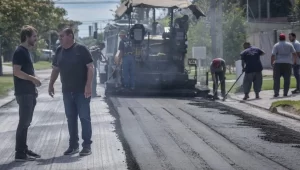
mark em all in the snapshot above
pixel 252 67
pixel 218 70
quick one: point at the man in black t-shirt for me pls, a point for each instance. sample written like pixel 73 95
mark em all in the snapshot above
pixel 74 63
pixel 253 69
pixel 25 84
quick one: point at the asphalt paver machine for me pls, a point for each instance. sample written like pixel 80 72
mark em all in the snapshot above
pixel 161 67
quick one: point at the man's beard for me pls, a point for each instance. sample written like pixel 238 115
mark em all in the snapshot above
pixel 31 43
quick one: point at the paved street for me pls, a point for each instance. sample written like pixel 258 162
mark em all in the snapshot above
pixel 48 136
pixel 166 133
pixel 156 133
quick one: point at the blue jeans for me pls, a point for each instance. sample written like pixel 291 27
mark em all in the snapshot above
pixel 77 105
pixel 296 69
pixel 128 71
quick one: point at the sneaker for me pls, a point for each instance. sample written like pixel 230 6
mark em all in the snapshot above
pixel 295 91
pixel 71 151
pixel 23 157
pixel 276 95
pixel 85 152
pixel 32 154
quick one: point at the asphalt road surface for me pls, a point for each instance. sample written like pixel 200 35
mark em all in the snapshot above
pixel 156 133
pixel 189 134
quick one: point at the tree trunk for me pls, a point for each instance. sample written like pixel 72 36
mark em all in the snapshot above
pixel 7 55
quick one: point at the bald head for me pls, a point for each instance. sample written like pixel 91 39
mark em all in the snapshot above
pixel 246 45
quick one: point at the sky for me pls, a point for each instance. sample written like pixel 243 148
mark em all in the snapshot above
pixel 89 14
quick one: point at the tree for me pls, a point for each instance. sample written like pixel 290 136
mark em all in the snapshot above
pixel 42 14
pixel 234 32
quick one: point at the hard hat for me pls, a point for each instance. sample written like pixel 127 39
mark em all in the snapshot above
pixel 122 32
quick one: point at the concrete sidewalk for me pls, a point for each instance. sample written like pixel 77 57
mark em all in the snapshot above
pixel 266 100
pixel 48 135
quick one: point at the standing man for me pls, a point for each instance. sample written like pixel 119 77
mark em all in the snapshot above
pixel 253 69
pixel 283 56
pixel 97 56
pixel 25 83
pixel 296 67
pixel 218 70
pixel 74 63
pixel 128 61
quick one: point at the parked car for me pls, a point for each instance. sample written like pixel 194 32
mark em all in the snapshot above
pixel 47 55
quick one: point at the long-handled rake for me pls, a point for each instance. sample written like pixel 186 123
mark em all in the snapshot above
pixel 232 86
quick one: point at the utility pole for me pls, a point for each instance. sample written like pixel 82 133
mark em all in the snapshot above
pixel 247 10
pixel 213 34
pixel 96 31
pixel 1 68
pixel 216 29
pixel 219 28
pixel 90 31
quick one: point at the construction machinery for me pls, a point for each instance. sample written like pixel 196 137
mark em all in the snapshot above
pixel 160 53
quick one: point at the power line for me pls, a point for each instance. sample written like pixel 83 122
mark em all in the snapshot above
pixel 86 2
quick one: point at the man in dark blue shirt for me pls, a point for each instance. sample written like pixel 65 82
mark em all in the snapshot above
pixel 25 91
pixel 253 69
pixel 74 63
pixel 128 61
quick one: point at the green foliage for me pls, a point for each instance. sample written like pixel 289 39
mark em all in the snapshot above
pixel 42 14
pixel 199 35
pixel 234 32
pixel 296 9
pixel 90 41
pixel 41 44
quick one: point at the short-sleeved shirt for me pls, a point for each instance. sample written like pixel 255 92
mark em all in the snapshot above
pixel 217 65
pixel 251 57
pixel 296 45
pixel 22 58
pixel 72 65
pixel 125 45
pixel 283 52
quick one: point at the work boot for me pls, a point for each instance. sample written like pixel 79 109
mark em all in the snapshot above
pixel 246 97
pixel 295 91
pixel 257 95
pixel 216 98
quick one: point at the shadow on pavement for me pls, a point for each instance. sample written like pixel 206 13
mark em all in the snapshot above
pixel 60 160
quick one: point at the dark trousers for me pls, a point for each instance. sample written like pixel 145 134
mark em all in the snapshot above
pixel 77 105
pixel 26 108
pixel 285 70
pixel 128 71
pixel 296 69
pixel 256 79
pixel 219 77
